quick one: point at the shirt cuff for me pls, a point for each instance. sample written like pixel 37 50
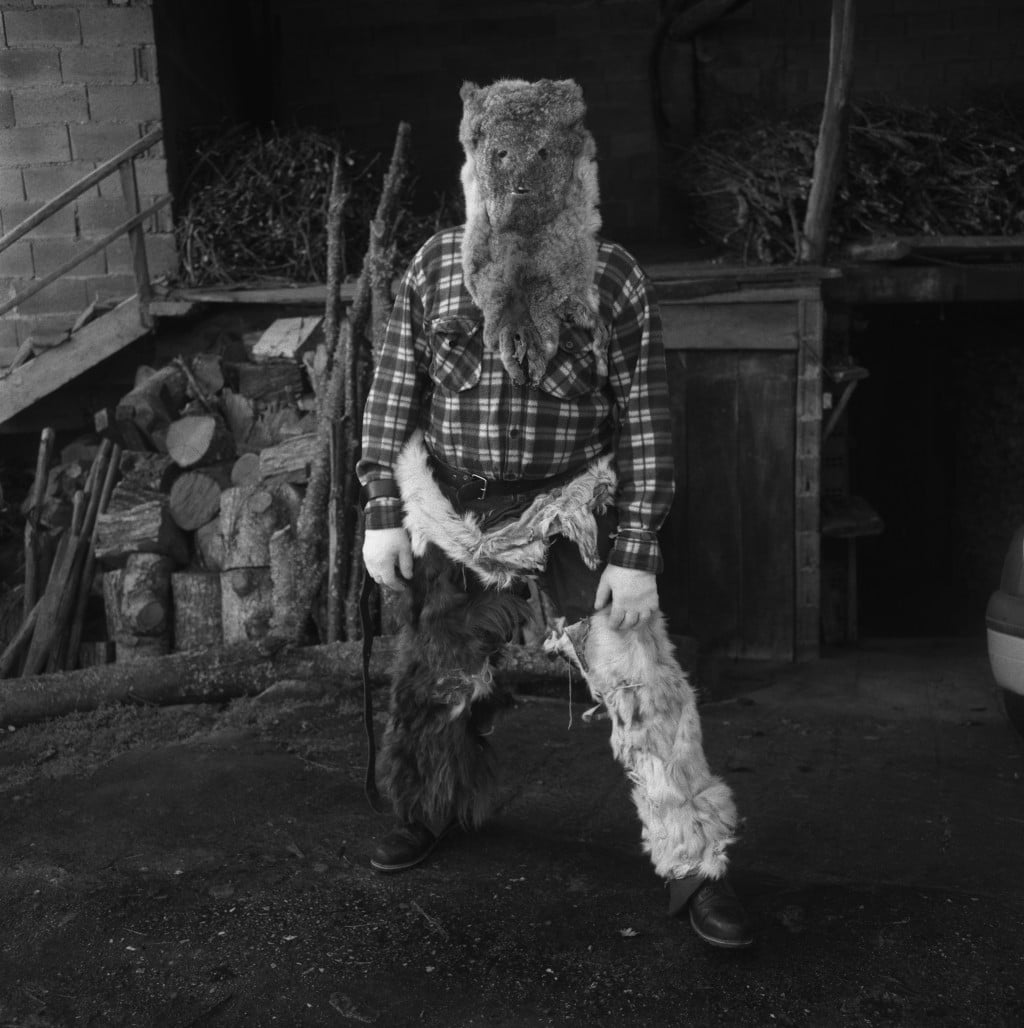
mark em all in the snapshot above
pixel 383 512
pixel 638 550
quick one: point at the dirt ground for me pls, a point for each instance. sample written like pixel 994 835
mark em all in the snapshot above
pixel 202 865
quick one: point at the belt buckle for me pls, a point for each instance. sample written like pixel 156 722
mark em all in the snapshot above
pixel 482 486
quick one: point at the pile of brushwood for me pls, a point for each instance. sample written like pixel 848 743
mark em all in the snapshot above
pixel 908 171
pixel 255 210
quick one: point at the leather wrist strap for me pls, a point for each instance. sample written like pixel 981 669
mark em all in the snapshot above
pixel 380 487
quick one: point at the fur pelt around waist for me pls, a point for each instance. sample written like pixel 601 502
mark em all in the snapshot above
pixel 514 550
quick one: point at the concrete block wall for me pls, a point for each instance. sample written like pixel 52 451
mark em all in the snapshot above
pixel 77 84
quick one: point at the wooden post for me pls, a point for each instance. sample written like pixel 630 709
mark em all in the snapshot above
pixel 32 578
pixel 137 241
pixel 829 152
pixel 807 501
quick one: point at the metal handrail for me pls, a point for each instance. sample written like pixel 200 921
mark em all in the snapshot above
pixel 73 192
pixel 100 244
pixel 123 163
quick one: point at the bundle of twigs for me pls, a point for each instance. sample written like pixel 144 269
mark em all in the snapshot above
pixel 256 210
pixel 909 171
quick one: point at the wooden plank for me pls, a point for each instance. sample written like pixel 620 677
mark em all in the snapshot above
pixel 663 271
pixel 766 387
pixel 53 368
pixel 898 247
pixel 287 338
pixel 761 326
pixel 305 296
pixel 966 283
pixel 752 294
pixel 807 492
pixel 712 564
pixel 170 308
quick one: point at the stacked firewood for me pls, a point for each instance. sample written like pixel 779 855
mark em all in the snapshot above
pixel 172 519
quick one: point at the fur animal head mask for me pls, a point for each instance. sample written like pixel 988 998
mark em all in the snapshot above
pixel 526 150
pixel 529 250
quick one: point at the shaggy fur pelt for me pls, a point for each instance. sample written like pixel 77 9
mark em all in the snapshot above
pixel 437 763
pixel 687 813
pixel 506 554
pixel 529 251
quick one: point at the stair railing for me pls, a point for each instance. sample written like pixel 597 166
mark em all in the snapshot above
pixel 124 164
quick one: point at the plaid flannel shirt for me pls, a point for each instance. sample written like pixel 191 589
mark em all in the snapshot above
pixel 434 373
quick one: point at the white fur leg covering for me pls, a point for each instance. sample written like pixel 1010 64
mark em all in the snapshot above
pixel 687 813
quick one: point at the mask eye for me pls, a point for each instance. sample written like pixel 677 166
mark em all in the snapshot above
pixel 542 153
pixel 503 154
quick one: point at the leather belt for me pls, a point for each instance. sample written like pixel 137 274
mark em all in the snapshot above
pixel 468 486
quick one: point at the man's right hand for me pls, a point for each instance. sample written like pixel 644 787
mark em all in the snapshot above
pixel 387 554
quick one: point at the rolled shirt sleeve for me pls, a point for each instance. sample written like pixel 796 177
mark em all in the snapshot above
pixel 644 458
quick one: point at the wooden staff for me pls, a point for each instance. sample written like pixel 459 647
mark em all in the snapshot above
pixel 43 458
pixel 89 567
pixel 57 603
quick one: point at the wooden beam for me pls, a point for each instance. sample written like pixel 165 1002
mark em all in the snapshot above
pixel 969 283
pixel 756 326
pixel 53 368
pixel 939 246
pixel 828 155
pixel 305 296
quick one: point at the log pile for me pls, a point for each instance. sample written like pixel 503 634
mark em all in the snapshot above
pixel 167 517
pixel 218 507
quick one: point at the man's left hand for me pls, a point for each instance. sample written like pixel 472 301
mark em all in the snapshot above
pixel 633 595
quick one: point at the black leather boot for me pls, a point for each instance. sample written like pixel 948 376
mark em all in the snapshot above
pixel 716 913
pixel 405 846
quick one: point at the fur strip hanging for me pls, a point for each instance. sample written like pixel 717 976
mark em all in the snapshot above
pixel 504 555
pixel 437 763
pixel 529 250
pixel 687 813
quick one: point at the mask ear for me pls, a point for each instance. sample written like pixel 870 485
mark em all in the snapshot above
pixel 470 128
pixel 568 101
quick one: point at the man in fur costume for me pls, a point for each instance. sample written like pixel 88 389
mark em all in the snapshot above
pixel 518 427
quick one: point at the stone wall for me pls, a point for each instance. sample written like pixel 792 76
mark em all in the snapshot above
pixel 78 83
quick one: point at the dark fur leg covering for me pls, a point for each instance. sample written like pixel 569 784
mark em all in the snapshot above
pixel 437 765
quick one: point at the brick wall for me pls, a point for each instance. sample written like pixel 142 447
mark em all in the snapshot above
pixel 77 84
pixel 774 54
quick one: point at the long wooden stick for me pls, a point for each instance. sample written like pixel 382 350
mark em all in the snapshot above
pixel 376 311
pixel 70 656
pixel 311 535
pixel 9 658
pixel 828 155
pixel 333 315
pixel 43 458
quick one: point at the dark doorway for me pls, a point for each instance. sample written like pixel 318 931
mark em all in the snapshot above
pixel 937 447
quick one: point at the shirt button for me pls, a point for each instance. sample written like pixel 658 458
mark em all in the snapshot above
pixel 513 433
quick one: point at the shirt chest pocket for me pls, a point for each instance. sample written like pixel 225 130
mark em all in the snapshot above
pixel 456 346
pixel 573 371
